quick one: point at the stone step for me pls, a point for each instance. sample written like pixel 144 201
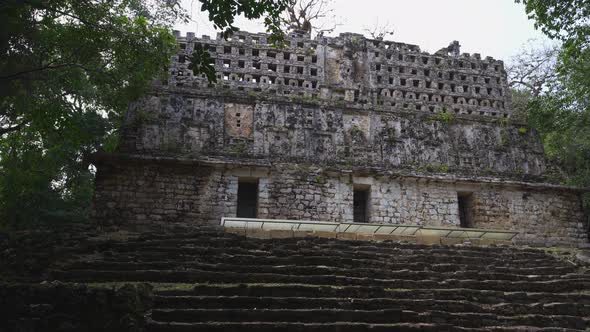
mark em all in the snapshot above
pixel 126 263
pixel 412 304
pixel 154 326
pixel 323 257
pixel 386 316
pixel 201 276
pixel 359 272
pixel 340 245
pixel 368 292
pixel 308 284
pixel 415 263
pixel 191 252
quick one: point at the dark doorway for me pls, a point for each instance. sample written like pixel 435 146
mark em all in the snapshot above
pixel 247 198
pixel 360 205
pixel 465 201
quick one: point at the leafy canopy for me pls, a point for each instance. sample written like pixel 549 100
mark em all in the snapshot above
pixel 561 113
pixel 222 14
pixel 68 70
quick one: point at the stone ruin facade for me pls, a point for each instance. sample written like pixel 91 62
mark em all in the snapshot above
pixel 336 129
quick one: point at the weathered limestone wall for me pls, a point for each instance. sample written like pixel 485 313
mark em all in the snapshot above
pixel 305 194
pixel 344 100
pixel 192 126
pixel 145 193
pixel 413 202
pixel 543 217
pixel 159 193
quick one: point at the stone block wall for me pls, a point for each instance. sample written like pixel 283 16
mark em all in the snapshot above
pixel 413 202
pixel 166 193
pixel 305 194
pixel 542 217
pixel 146 193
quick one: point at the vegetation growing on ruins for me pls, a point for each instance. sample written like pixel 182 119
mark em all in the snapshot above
pixel 69 70
pixel 556 86
pixel 304 99
pixel 435 168
pixel 445 117
pixel 503 136
pixel 239 148
pixel 356 132
pixel 305 15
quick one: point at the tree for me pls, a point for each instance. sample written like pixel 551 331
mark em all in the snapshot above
pixel 534 69
pixel 566 21
pixel 223 12
pixel 68 70
pixel 531 73
pixel 378 31
pixel 305 15
pixel 62 57
pixel 562 113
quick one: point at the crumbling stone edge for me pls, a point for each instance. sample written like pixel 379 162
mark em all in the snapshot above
pixel 58 306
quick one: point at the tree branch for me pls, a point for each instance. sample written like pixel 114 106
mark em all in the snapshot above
pixel 6 130
pixel 46 67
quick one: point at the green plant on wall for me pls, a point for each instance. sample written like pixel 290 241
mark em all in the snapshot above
pixel 356 41
pixel 445 117
pixel 252 94
pixel 320 179
pixel 504 121
pixel 303 99
pixel 238 148
pixel 522 130
pixel 437 168
pixel 340 103
pixel 349 163
pixel 356 135
pixel 388 136
pixel 443 168
pixel 503 137
pixel 355 131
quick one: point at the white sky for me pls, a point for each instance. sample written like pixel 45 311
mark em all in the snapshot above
pixel 497 28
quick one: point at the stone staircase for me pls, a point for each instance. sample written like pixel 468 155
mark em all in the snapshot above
pixel 317 284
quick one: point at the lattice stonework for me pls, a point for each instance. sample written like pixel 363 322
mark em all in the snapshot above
pixel 388 75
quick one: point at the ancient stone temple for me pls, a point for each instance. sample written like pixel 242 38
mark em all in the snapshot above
pixel 336 129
